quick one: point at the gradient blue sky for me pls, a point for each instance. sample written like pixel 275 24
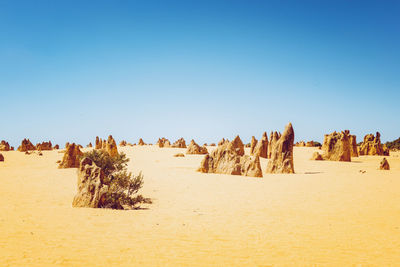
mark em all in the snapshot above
pixel 71 70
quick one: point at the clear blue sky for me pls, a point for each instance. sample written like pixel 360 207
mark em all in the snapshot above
pixel 71 70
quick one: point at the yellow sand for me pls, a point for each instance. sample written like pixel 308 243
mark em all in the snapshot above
pixel 328 214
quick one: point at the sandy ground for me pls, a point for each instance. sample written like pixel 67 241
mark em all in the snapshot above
pixel 328 214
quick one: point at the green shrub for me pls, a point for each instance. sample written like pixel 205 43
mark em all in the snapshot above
pixel 123 186
pixel 317 144
pixel 394 145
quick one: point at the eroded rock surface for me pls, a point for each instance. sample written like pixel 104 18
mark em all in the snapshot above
pixel 336 146
pixel 229 158
pixel 71 157
pixel 282 153
pixel 194 148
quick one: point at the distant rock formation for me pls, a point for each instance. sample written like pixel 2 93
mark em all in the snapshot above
pixel 26 145
pixel 212 144
pixel 194 148
pixel 66 145
pixel 91 185
pixel 310 144
pixel 141 143
pixel 122 143
pixel 89 145
pixel 179 155
pixel 261 147
pixel 229 158
pixel 353 146
pixel 44 146
pixel 163 142
pixel 336 146
pixel 56 147
pixel 1 157
pixel 316 156
pixel 306 144
pixel 384 165
pixel 300 144
pixel 4 146
pixel 180 143
pixel 372 146
pixel 111 147
pixel 71 157
pixel 282 153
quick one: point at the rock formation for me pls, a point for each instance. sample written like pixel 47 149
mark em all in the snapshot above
pixel 91 185
pixel 163 142
pixel 99 143
pixel 212 144
pixel 253 144
pixel 282 153
pixel 386 150
pixel 336 146
pixel 353 145
pixel 223 141
pixel 167 143
pixel 56 147
pixel 300 144
pixel 122 143
pixel 310 144
pixel 44 146
pixel 4 146
pixel 305 144
pixel 26 145
pixel 141 143
pixel 238 145
pixel 89 145
pixel 71 157
pixel 384 165
pixel 180 143
pixel 98 188
pixel 261 148
pixel 194 148
pixel 316 156
pixel 179 155
pixel 111 146
pixel 229 158
pixel 66 145
pixel 274 137
pixel 372 146
pixel 1 157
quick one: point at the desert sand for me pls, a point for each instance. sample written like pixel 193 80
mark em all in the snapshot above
pixel 327 214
